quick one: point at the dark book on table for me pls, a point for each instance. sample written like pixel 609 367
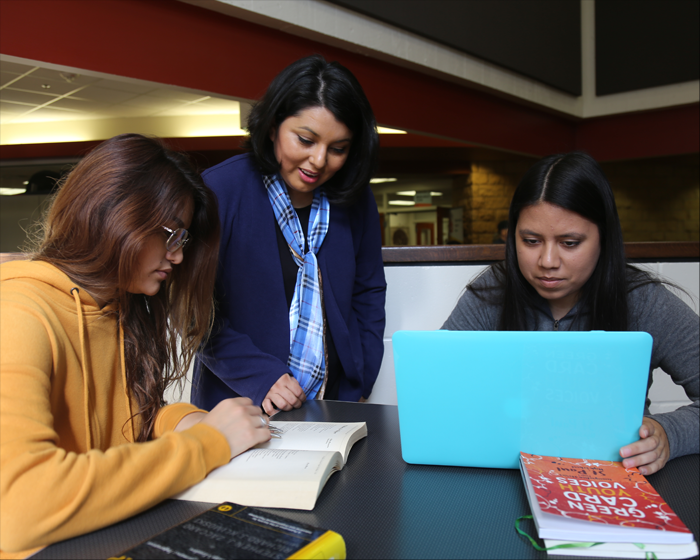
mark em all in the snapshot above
pixel 234 531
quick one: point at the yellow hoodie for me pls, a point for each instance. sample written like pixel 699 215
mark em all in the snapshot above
pixel 68 461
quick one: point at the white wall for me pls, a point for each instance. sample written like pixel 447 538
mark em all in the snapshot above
pixel 421 298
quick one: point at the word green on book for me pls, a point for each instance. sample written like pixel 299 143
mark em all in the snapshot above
pixel 600 508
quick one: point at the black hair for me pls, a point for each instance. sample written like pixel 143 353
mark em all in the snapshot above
pixel 313 82
pixel 503 224
pixel 574 182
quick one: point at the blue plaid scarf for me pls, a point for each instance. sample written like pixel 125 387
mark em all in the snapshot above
pixel 307 356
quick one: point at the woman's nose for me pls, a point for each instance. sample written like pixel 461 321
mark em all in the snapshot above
pixel 175 256
pixel 549 257
pixel 318 156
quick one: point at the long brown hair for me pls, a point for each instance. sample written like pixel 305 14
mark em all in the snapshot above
pixel 119 195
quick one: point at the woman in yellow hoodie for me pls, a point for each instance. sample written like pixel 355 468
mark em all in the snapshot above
pixel 92 330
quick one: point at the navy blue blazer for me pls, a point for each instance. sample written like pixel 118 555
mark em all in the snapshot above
pixel 248 350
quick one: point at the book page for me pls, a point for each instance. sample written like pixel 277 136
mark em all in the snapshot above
pixel 626 550
pixel 268 478
pixel 317 436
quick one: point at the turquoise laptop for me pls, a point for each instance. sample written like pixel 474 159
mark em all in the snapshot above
pixel 476 398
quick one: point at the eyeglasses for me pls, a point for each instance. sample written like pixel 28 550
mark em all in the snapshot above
pixel 178 239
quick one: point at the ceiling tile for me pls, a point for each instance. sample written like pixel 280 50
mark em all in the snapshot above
pixel 176 95
pixel 155 104
pixel 15 68
pixel 99 98
pixel 24 106
pixel 96 93
pixel 70 78
pixel 12 108
pixel 80 105
pixel 33 84
pixel 11 94
pixel 222 105
pixel 48 114
pixel 122 111
pixel 7 77
pixel 125 86
pixel 194 109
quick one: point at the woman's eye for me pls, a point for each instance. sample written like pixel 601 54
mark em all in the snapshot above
pixel 339 151
pixel 529 241
pixel 571 244
pixel 305 141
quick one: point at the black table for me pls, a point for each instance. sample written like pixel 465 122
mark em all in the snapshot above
pixel 385 508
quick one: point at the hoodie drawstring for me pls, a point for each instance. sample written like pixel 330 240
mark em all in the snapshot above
pixel 75 292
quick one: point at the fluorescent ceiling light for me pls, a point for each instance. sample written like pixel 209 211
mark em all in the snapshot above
pixel 9 191
pixel 413 193
pixel 377 180
pixel 402 203
pixel 385 130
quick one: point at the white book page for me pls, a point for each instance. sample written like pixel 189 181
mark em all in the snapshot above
pixel 626 550
pixel 266 464
pixel 317 436
pixel 267 478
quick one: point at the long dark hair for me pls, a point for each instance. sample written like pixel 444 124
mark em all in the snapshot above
pixel 576 183
pixel 119 195
pixel 313 82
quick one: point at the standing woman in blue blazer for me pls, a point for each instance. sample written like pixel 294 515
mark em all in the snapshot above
pixel 300 287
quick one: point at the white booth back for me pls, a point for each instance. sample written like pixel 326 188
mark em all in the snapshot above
pixel 421 298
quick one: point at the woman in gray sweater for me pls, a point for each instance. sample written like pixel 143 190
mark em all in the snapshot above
pixel 565 269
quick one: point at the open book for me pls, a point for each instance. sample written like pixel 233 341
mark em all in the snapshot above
pixel 288 472
pixel 606 509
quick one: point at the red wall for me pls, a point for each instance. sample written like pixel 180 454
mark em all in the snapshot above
pixel 174 43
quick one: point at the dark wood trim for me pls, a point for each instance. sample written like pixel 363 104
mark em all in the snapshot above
pixel 485 253
pixel 231 144
pixel 663 250
pixel 444 253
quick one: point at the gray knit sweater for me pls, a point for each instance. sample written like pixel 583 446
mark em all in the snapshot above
pixel 673 325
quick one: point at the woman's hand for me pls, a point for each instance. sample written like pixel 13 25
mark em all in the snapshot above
pixel 651 452
pixel 238 420
pixel 285 394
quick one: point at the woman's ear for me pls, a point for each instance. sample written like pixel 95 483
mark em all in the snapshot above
pixel 273 133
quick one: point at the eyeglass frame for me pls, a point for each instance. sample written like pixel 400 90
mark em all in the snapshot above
pixel 172 233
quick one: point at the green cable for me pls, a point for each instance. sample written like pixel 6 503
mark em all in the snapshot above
pixel 649 555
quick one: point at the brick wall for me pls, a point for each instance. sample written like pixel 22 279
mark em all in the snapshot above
pixel 492 184
pixel 658 199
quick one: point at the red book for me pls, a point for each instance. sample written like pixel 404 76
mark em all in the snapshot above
pixel 597 501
